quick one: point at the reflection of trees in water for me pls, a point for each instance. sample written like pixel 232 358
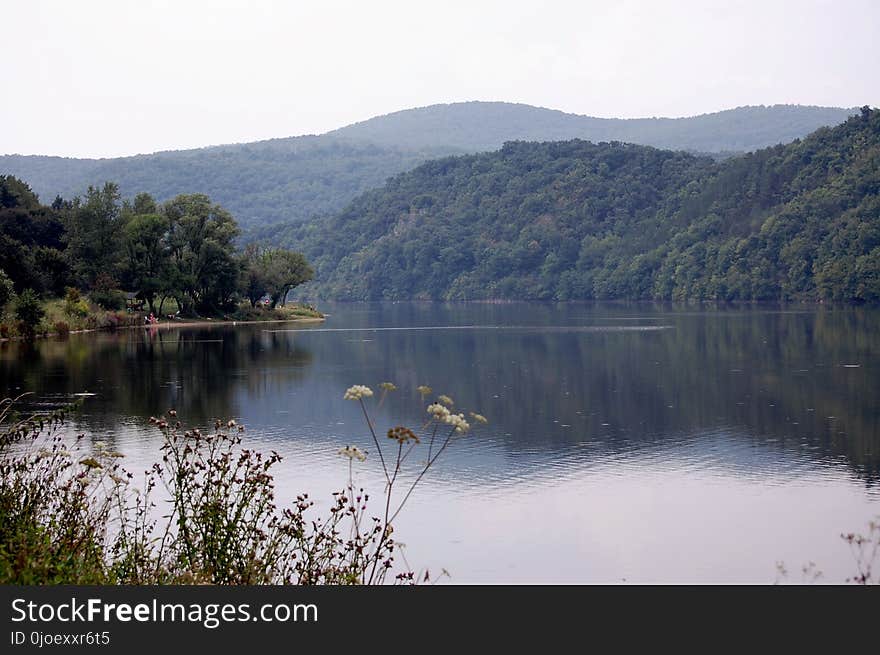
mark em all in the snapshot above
pixel 755 372
pixel 139 373
pixel 775 376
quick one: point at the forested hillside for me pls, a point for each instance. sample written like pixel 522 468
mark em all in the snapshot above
pixel 296 178
pixel 265 182
pixel 576 220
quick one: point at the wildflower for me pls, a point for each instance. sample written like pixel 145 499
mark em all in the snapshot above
pixel 357 392
pixel 446 400
pixel 91 462
pixel 388 386
pixel 100 445
pixel 353 452
pixel 117 479
pixel 457 421
pixel 479 418
pixel 402 434
pixel 424 390
pixel 438 411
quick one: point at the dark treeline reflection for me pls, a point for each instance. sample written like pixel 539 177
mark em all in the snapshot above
pixel 552 379
pixel 555 377
pixel 140 373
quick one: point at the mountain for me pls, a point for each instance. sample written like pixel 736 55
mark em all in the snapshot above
pixel 577 220
pixel 480 126
pixel 296 178
pixel 263 182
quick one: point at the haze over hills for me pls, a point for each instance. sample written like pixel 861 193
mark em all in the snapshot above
pixel 478 126
pixel 575 220
pixel 296 178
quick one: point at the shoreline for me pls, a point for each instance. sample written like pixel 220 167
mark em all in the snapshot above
pixel 208 322
pixel 165 325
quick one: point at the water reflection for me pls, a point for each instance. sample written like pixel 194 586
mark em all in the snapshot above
pixel 565 381
pixel 134 373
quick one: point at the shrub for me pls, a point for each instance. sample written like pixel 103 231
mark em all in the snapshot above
pixel 4 331
pixel 75 305
pixel 106 321
pixel 223 526
pixel 122 319
pixel 865 549
pixel 111 299
pixel 6 289
pixel 72 295
pixel 62 329
pixel 52 523
pixel 226 529
pixel 29 312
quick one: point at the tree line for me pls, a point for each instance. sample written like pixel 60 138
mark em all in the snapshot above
pixel 102 244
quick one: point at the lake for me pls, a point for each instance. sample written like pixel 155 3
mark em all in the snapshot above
pixel 626 442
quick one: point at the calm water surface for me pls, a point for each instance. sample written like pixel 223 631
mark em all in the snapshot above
pixel 626 442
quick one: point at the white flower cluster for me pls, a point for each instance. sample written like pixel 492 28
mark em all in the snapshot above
pixel 357 392
pixel 457 420
pixel 438 411
pixel 443 414
pixel 353 452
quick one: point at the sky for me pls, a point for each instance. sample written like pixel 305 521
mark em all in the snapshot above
pixel 97 78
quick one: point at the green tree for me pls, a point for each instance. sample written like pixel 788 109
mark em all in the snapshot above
pixel 30 239
pixel 201 248
pixel 6 289
pixel 284 270
pixel 144 204
pixel 147 257
pixel 29 311
pixel 93 230
pixel 254 281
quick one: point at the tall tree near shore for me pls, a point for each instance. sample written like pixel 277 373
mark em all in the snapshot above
pixel 148 257
pixel 31 240
pixel 201 245
pixel 254 282
pixel 285 269
pixel 273 272
pixel 94 228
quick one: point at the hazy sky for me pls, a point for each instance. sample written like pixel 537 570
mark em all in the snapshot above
pixel 96 78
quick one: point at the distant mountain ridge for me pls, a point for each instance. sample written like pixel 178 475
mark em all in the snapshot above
pixel 261 183
pixel 296 178
pixel 478 126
